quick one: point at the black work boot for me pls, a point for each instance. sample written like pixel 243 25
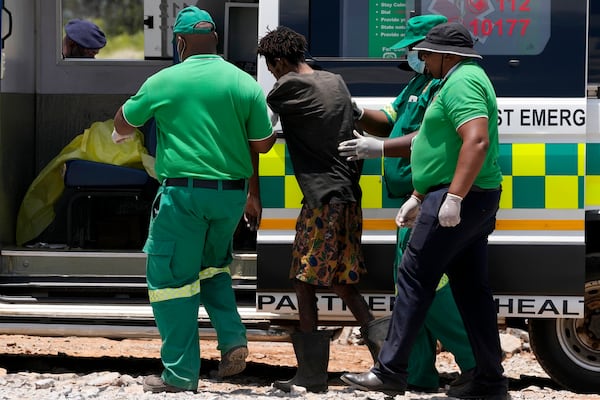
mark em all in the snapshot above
pixel 474 389
pixel 374 334
pixel 369 381
pixel 312 354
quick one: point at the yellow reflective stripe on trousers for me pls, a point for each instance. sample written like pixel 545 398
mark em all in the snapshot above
pixel 208 273
pixel 443 282
pixel 189 290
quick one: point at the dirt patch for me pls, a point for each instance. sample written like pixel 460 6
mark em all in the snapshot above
pixel 344 355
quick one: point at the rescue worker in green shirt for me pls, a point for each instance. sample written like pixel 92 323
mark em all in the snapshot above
pixel 398 119
pixel 212 120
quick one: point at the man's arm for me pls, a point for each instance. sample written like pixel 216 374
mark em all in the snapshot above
pixel 263 145
pixel 364 147
pixel 121 125
pixel 374 122
pixel 472 154
pixel 470 159
pixel 122 131
pixel 399 146
pixel 253 210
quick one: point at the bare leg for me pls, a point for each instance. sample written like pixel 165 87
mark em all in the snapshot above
pixel 307 306
pixel 355 302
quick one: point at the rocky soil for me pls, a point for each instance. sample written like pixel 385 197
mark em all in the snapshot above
pixel 96 368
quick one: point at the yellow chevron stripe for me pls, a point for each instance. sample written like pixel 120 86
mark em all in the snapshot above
pixel 501 225
pixel 208 273
pixel 165 294
pixel 189 290
pixel 540 225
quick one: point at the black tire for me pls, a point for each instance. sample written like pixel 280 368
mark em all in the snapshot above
pixel 569 349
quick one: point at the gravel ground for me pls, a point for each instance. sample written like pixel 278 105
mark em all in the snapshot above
pixel 267 362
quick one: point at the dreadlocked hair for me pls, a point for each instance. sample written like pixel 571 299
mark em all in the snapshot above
pixel 283 42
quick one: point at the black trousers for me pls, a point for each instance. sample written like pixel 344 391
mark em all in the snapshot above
pixel 461 252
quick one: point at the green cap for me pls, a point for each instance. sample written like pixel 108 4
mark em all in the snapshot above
pixel 417 28
pixel 189 17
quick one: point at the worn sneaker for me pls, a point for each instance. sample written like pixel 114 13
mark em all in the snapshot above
pixel 233 362
pixel 155 384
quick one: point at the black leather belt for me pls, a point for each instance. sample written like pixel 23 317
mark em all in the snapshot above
pixel 478 189
pixel 474 188
pixel 238 184
pixel 438 187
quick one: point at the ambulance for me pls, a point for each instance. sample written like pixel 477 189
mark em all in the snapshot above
pixel 83 272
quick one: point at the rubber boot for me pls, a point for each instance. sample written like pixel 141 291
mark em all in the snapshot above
pixel 374 334
pixel 312 354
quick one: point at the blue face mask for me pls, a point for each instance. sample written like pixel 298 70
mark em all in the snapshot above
pixel 414 62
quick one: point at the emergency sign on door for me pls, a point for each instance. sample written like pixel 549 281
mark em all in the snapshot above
pixel 515 27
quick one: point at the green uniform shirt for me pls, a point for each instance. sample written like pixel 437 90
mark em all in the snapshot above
pixel 466 94
pixel 406 114
pixel 206 111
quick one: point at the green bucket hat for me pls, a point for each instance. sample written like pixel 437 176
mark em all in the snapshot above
pixel 417 28
pixel 189 17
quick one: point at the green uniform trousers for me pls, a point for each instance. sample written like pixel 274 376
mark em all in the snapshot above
pixel 444 323
pixel 189 250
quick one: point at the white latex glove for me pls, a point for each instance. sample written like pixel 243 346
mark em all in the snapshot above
pixel 361 148
pixel 449 214
pixel 408 212
pixel 117 138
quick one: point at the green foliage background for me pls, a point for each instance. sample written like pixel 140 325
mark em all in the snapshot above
pixel 122 22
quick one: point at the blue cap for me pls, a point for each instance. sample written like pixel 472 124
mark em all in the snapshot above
pixel 85 33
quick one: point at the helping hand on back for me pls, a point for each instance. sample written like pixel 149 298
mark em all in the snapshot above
pixel 361 148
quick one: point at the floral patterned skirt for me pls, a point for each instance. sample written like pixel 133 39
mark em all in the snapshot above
pixel 327 248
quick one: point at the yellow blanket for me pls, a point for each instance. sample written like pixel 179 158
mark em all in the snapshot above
pixel 94 144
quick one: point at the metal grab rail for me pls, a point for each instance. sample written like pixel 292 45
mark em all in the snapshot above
pixel 9 23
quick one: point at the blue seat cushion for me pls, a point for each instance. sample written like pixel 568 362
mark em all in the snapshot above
pixel 83 173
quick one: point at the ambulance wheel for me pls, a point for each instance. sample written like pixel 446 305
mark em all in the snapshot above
pixel 569 349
